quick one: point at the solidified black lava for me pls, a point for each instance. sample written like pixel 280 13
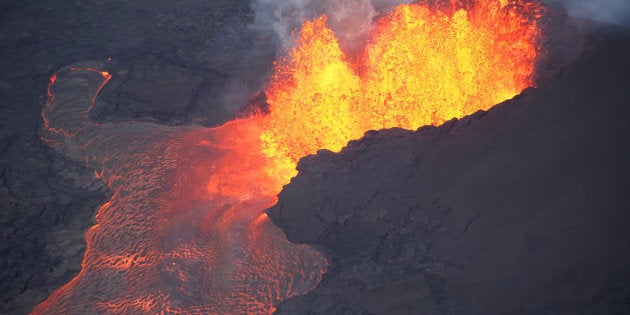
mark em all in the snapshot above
pixel 523 209
pixel 176 62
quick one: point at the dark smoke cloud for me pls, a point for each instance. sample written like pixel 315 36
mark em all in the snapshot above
pixel 349 19
pixel 609 11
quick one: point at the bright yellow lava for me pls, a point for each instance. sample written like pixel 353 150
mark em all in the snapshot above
pixel 423 66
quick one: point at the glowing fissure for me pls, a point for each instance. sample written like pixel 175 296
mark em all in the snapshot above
pixel 183 231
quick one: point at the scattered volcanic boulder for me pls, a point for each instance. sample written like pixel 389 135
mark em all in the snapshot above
pixel 521 209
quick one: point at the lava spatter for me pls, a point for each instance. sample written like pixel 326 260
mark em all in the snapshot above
pixel 422 66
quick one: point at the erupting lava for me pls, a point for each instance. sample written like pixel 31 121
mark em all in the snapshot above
pixel 423 66
pixel 183 231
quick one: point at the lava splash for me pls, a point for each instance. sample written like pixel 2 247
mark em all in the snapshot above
pixel 184 230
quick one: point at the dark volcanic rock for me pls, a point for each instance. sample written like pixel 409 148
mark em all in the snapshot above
pixel 46 206
pixel 519 210
pixel 177 62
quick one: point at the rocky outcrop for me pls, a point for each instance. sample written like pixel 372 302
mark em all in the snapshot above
pixel 519 210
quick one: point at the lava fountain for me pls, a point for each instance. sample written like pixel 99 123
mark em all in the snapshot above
pixel 184 230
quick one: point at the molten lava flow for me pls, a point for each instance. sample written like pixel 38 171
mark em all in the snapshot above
pixel 183 231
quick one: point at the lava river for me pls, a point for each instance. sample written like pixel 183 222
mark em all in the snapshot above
pixel 184 230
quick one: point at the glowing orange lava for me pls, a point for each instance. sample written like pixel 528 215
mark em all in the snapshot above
pixel 423 66
pixel 183 231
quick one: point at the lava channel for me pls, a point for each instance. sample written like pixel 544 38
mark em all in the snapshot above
pixel 184 230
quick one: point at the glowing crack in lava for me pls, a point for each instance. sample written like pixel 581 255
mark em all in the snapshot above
pixel 184 230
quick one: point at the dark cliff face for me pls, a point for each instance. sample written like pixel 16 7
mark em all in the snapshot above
pixel 521 209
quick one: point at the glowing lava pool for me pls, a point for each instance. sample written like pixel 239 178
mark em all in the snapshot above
pixel 184 230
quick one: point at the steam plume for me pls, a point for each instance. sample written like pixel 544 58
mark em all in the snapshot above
pixel 609 11
pixel 349 19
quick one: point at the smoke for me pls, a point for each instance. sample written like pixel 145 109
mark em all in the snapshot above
pixel 610 11
pixel 349 19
